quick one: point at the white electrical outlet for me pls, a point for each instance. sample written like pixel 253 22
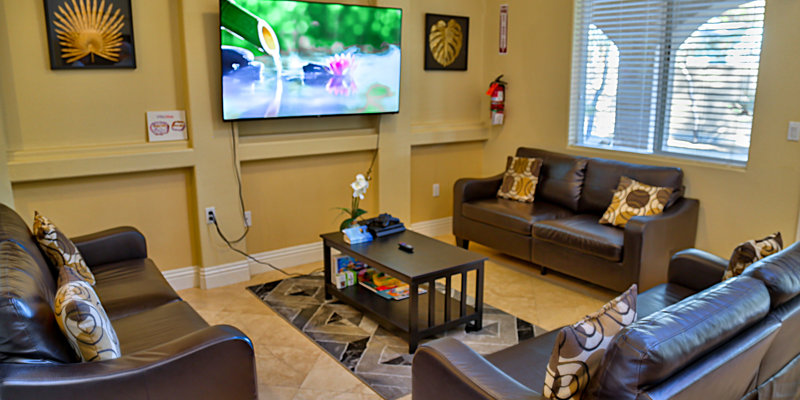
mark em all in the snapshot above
pixel 435 190
pixel 794 131
pixel 211 215
pixel 248 219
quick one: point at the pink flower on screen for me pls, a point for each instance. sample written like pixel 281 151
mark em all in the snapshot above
pixel 341 64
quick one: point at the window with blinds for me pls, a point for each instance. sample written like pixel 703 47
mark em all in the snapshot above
pixel 673 77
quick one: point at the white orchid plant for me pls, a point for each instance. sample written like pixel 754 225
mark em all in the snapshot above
pixel 354 212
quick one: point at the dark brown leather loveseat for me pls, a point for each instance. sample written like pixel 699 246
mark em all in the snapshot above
pixel 695 338
pixel 560 229
pixel 168 350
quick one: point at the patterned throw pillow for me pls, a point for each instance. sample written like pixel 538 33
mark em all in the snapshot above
pixel 634 198
pixel 59 249
pixel 519 182
pixel 84 322
pixel 580 347
pixel 750 252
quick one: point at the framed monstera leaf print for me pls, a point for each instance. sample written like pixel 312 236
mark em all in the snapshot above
pixel 446 42
pixel 86 34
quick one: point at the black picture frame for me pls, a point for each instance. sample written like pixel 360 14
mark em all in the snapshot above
pixel 60 17
pixel 438 58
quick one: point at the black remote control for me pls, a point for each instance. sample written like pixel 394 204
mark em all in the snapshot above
pixel 405 247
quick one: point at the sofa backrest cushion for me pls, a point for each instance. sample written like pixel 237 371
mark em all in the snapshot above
pixel 560 178
pixel 654 348
pixel 602 178
pixel 13 227
pixel 728 372
pixel 28 329
pixel 780 272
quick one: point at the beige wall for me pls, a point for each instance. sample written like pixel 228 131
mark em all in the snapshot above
pixel 81 136
pixel 294 199
pixel 65 130
pixel 736 204
pixel 88 108
pixel 442 164
pixel 156 203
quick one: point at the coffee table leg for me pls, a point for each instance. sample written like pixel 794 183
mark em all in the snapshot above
pixel 413 317
pixel 326 254
pixel 477 324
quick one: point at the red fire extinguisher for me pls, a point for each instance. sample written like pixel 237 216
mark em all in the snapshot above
pixel 497 90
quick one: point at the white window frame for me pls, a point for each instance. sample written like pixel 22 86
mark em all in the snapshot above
pixel 655 126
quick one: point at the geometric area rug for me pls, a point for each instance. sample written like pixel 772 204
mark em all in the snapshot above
pixel 373 354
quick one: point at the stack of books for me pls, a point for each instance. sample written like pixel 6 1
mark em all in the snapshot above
pixel 344 271
pixel 383 285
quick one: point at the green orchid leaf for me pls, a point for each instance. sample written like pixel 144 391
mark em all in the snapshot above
pixel 346 223
pixel 359 213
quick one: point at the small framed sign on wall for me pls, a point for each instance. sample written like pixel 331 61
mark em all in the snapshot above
pixel 86 34
pixel 446 42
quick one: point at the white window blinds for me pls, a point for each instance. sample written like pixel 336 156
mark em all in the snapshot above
pixel 675 77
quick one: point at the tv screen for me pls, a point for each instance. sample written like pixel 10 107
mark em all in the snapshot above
pixel 298 58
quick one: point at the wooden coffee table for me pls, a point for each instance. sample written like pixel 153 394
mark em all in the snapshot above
pixel 431 260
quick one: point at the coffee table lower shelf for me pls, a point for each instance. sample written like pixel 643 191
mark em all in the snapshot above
pixel 396 313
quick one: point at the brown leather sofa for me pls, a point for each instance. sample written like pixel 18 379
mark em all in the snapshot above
pixel 168 350
pixel 560 229
pixel 695 338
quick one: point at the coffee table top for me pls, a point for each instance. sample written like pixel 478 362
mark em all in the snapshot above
pixel 430 258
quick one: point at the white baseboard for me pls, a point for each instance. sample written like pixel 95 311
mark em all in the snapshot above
pixel 182 278
pixel 225 274
pixel 434 227
pixel 287 257
pixel 240 271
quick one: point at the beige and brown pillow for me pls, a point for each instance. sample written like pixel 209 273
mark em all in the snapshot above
pixel 84 322
pixel 579 348
pixel 750 252
pixel 633 198
pixel 520 179
pixel 61 252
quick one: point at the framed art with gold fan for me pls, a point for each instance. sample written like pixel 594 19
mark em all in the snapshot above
pixel 85 34
pixel 446 42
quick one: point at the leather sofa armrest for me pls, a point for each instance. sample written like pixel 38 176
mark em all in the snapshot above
pixel 213 363
pixel 696 269
pixel 650 241
pixel 111 245
pixel 467 189
pixel 448 369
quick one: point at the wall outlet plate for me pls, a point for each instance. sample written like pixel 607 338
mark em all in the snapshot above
pixel 211 215
pixel 248 218
pixel 794 131
pixel 435 190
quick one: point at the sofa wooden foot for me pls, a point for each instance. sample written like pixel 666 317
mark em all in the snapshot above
pixel 543 271
pixel 463 243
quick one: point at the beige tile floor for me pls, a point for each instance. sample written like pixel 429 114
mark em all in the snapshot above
pixel 290 366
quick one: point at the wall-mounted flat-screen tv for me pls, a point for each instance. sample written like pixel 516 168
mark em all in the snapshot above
pixel 284 58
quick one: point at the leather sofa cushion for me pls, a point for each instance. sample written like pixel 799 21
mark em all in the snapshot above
pixel 582 233
pixel 131 286
pixel 785 347
pixel 28 329
pixel 527 361
pixel 560 178
pixel 512 215
pixel 602 177
pixel 157 326
pixel 780 272
pixel 659 345
pixel 660 297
